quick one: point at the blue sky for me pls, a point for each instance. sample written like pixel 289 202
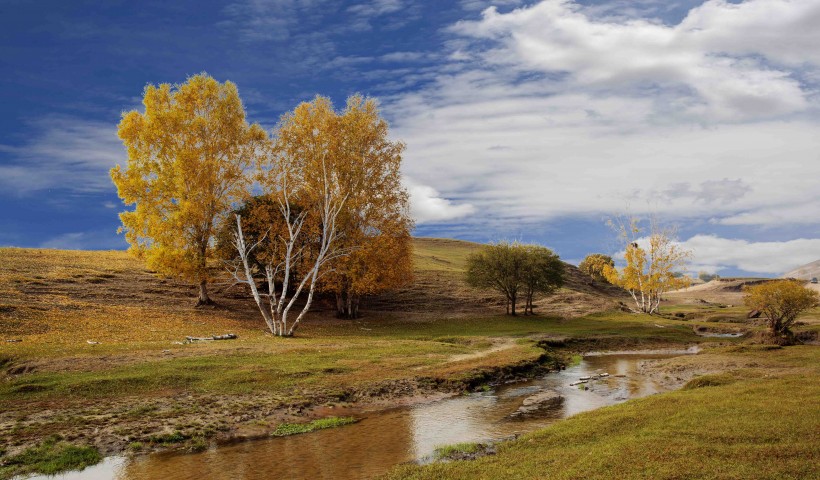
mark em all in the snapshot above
pixel 523 120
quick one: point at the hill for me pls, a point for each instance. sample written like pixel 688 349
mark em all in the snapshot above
pixel 439 265
pixel 728 290
pixel 34 281
pixel 806 272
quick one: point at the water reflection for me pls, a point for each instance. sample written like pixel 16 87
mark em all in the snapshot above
pixel 382 440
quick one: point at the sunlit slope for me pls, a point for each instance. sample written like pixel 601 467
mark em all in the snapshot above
pixel 439 266
pixel 806 272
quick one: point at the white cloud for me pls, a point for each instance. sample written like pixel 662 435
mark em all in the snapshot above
pixel 711 69
pixel 555 110
pixel 94 240
pixel 427 206
pixel 482 4
pixel 63 153
pixel 712 253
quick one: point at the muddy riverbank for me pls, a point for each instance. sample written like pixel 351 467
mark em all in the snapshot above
pixel 410 433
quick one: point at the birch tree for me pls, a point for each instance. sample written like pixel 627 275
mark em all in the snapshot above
pixel 188 153
pixel 298 172
pixel 375 222
pixel 651 263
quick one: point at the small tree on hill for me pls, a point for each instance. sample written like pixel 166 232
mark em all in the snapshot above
pixel 513 270
pixel 594 265
pixel 707 277
pixel 781 302
pixel 543 273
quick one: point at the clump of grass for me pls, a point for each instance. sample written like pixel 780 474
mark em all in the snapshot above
pixel 50 457
pixel 709 381
pixel 167 438
pixel 286 429
pixel 135 446
pixel 198 444
pixel 462 451
pixel 448 451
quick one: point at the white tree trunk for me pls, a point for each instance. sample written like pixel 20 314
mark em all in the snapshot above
pixel 276 311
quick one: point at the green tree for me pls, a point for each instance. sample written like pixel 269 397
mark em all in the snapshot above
pixel 781 302
pixel 543 273
pixel 188 153
pixel 594 265
pixel 513 270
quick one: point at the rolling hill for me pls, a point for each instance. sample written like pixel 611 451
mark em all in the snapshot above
pixel 806 272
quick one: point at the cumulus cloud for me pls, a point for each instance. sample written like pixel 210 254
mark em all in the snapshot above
pixel 699 55
pixel 428 206
pixel 559 109
pixel 713 253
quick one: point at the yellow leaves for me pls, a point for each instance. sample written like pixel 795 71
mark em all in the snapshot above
pixel 651 269
pixel 187 158
pixel 782 301
pixel 351 148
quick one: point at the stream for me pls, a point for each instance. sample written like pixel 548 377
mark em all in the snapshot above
pixel 384 439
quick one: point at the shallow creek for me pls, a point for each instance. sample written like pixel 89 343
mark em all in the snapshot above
pixel 384 439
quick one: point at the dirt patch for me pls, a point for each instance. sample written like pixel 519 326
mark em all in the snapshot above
pixel 499 344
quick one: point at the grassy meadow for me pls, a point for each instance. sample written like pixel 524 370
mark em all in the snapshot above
pixel 92 351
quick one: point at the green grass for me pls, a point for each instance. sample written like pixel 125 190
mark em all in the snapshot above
pixel 390 350
pixel 442 254
pixel 457 449
pixel 763 423
pixel 285 429
pixel 50 457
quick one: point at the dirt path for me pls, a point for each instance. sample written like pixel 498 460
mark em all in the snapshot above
pixel 499 344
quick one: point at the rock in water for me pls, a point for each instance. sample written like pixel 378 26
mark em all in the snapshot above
pixel 538 401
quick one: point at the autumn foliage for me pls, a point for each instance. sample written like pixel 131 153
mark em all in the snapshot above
pixel 331 195
pixel 781 302
pixel 652 264
pixel 375 223
pixel 187 157
pixel 594 265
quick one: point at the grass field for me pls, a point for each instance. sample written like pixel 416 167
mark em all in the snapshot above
pixel 96 354
pixel 759 421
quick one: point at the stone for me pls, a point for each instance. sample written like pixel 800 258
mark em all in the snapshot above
pixel 538 401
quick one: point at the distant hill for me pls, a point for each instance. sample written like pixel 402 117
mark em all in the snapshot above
pixel 439 286
pixel 806 272
pixel 36 280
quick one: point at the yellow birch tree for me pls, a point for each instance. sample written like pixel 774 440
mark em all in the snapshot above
pixel 188 153
pixel 375 224
pixel 650 269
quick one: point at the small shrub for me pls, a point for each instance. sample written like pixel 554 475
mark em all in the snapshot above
pixel 198 444
pixel 167 438
pixel 462 451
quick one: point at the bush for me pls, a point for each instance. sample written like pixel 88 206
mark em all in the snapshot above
pixel 781 302
pixel 594 265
